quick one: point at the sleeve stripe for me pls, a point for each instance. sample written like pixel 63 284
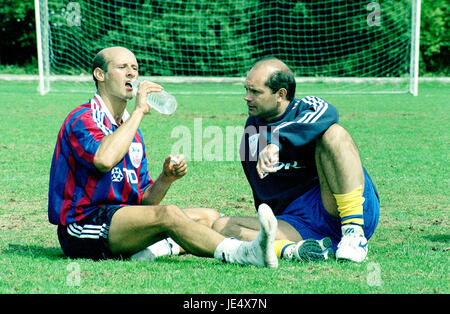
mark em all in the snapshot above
pixel 98 116
pixel 322 111
pixel 319 106
pixel 307 117
pixel 282 125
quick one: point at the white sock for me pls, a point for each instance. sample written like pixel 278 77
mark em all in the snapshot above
pixel 144 255
pixel 166 247
pixel 226 250
pixel 259 252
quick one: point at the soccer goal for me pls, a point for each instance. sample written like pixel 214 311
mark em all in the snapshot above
pixel 334 46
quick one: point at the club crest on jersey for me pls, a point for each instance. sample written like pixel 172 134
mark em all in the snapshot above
pixel 136 153
pixel 253 144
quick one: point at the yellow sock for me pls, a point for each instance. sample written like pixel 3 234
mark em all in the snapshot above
pixel 281 246
pixel 350 207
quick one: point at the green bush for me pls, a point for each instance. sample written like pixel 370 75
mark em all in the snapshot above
pixel 17 32
pixel 435 37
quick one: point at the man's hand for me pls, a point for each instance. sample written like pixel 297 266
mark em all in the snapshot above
pixel 268 158
pixel 174 167
pixel 145 87
pixel 114 146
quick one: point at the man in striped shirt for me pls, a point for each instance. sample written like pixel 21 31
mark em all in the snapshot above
pixel 101 195
pixel 306 167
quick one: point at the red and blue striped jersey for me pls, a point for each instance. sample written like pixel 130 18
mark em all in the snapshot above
pixel 76 187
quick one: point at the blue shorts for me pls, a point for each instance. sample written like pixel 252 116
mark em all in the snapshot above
pixel 88 238
pixel 308 216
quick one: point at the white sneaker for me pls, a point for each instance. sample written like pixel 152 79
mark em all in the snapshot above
pixel 313 250
pixel 353 245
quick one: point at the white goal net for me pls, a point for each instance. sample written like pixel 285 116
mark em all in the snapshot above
pixel 351 46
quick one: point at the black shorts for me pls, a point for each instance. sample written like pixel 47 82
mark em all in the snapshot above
pixel 88 238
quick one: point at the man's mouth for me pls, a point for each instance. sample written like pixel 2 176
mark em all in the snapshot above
pixel 128 86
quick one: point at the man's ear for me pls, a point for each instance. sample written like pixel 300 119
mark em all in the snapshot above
pixel 282 93
pixel 99 74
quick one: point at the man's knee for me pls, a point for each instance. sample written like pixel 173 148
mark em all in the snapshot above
pixel 335 134
pixel 169 216
pixel 205 216
pixel 336 142
pixel 221 224
pixel 242 228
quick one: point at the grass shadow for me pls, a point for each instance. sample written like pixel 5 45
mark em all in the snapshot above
pixel 444 238
pixel 52 253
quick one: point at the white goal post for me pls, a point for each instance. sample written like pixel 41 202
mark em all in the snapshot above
pixel 334 46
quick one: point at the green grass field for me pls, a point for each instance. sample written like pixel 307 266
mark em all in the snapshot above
pixel 403 141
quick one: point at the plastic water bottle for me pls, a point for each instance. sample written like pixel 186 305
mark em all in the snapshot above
pixel 162 101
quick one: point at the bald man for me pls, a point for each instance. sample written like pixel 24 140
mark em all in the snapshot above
pixel 306 167
pixel 102 197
